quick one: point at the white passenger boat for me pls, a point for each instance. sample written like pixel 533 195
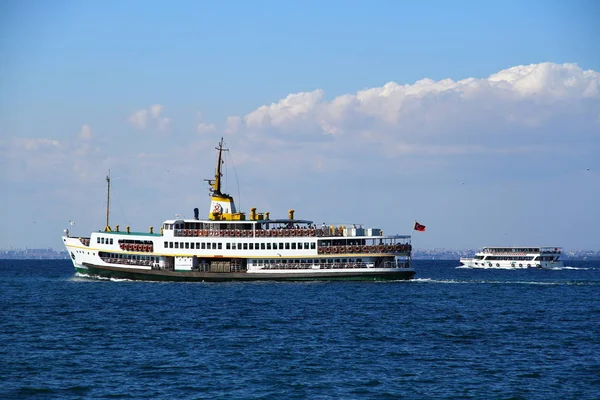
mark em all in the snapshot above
pixel 515 257
pixel 227 246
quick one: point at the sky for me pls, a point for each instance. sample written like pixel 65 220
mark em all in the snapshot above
pixel 479 120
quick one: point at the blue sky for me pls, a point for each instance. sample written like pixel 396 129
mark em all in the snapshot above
pixel 480 120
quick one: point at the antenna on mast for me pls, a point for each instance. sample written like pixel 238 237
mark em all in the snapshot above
pixel 107 228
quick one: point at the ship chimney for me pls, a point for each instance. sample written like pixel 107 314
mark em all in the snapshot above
pixel 196 213
pixel 267 215
pixel 291 214
pixel 152 228
pixel 253 214
pixel 117 228
pixel 127 229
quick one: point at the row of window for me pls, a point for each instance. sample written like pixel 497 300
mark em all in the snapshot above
pixel 241 246
pixel 307 261
pixel 100 240
pixel 508 258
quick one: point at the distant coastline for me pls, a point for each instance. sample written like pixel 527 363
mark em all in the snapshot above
pixel 418 254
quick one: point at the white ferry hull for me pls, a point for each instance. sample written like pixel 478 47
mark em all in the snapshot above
pixel 471 263
pixel 87 262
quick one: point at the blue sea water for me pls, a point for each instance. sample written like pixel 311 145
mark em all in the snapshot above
pixel 450 333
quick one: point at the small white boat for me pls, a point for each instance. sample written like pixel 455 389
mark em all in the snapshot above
pixel 515 257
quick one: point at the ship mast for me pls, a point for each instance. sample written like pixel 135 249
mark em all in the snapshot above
pixel 107 228
pixel 217 182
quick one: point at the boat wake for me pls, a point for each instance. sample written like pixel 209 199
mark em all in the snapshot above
pixel 495 282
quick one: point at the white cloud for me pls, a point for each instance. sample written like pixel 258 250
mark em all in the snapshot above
pixel 138 119
pixel 142 118
pixel 85 132
pixel 204 127
pixel 509 109
pixel 35 144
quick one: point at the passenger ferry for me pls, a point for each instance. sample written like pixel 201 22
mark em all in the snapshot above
pixel 227 246
pixel 515 257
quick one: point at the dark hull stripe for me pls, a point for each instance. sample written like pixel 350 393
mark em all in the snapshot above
pixel 161 275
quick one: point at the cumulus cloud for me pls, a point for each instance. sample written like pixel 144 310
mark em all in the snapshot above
pixel 204 127
pixel 507 110
pixel 143 118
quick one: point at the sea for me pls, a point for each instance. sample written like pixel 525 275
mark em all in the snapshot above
pixel 450 333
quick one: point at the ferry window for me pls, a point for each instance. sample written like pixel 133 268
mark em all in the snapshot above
pixel 97 240
pixel 287 246
pixel 166 244
pixel 262 246
pixel 102 240
pixel 170 245
pixel 251 246
pixel 293 246
pixel 256 246
pixel 203 245
pixel 268 246
pixel 111 242
pixel 197 245
pixel 176 245
pixel 220 245
pixel 214 246
pixel 245 246
pixel 280 246
pixel 312 245
pixel 187 245
pixel 305 245
pixel 228 246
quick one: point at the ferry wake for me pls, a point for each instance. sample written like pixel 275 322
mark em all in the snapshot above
pixel 227 246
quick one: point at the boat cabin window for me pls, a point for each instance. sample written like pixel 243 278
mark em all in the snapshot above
pixel 220 246
pixel 268 246
pixel 262 246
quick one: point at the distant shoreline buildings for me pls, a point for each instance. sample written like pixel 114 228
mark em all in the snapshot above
pixel 417 254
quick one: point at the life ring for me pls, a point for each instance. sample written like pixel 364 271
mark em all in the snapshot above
pixel 217 209
pixel 320 250
pixel 356 249
pixel 195 232
pixel 268 233
pixel 381 248
pixel 520 265
pixel 398 248
pixel 389 248
pixel 328 249
pixel 365 249
pixel 305 232
pixel 335 249
pixel 238 233
pixel 528 265
pixel 312 232
pixel 497 264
